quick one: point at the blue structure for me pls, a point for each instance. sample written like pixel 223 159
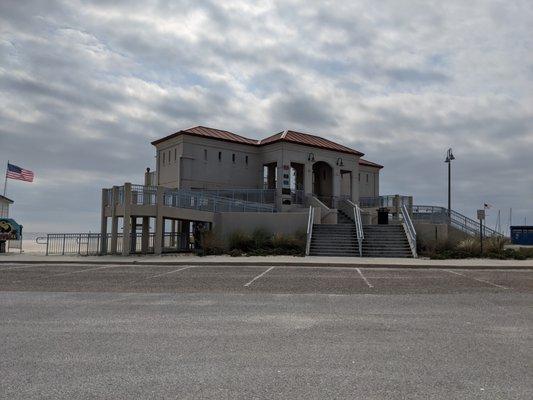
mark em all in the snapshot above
pixel 9 230
pixel 522 235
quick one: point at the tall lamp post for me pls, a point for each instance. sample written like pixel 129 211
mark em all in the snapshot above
pixel 449 158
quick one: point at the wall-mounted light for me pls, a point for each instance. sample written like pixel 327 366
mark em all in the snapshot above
pixel 339 162
pixel 310 157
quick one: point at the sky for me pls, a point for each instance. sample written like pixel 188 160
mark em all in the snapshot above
pixel 85 86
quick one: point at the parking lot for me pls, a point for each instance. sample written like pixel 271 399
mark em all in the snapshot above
pixel 258 279
pixel 260 332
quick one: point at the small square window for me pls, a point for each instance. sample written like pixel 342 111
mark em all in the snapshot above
pixel 233 158
pixel 219 156
pixel 246 160
pixel 366 178
pixel 359 177
pixel 205 154
pixel 175 154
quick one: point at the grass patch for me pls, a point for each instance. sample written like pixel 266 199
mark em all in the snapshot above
pixel 471 248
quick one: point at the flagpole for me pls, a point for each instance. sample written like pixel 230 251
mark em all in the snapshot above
pixel 5 181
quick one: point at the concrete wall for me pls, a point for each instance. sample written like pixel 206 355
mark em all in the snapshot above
pixel 432 235
pixel 240 165
pixel 283 223
pixel 368 181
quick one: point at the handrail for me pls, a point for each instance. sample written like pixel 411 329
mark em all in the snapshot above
pixel 409 229
pixel 439 214
pixel 358 223
pixel 310 222
pixel 359 228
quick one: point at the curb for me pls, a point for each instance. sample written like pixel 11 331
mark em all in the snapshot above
pixel 274 263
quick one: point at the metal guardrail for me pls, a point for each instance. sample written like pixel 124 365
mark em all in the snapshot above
pixel 261 196
pixel 409 229
pixel 143 195
pixel 349 208
pixel 384 201
pixel 310 222
pixel 359 228
pixel 71 243
pixel 199 200
pixel 89 244
pixel 206 202
pixel 440 215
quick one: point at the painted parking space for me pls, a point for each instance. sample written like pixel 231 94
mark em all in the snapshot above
pixel 200 278
pixel 312 280
pixel 514 280
pixel 259 279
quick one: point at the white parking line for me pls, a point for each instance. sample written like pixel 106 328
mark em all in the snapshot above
pixel 83 270
pixel 366 280
pixel 476 279
pixel 169 272
pixel 258 276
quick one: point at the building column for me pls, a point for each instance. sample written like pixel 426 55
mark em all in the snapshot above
pixel 336 172
pixel 308 178
pixel 126 231
pixel 145 238
pixel 114 220
pixel 186 232
pixel 159 222
pixel 133 235
pixel 103 223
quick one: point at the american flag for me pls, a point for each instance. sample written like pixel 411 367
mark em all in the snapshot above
pixel 14 172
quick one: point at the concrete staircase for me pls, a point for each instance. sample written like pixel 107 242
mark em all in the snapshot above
pixel 334 240
pixel 386 241
pixel 342 218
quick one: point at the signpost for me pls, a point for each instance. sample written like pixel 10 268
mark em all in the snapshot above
pixel 481 217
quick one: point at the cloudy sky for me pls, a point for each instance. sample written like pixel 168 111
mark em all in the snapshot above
pixel 85 86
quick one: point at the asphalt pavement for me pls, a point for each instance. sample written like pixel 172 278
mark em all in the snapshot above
pixel 208 332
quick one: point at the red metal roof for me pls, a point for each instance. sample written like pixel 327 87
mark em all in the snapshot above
pixel 308 140
pixel 286 136
pixel 210 133
pixel 369 163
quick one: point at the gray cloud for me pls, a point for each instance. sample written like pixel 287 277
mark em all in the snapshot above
pixel 85 85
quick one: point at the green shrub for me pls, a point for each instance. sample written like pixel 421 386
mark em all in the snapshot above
pixel 235 253
pixel 287 244
pixel 262 239
pixel 240 241
pixel 211 244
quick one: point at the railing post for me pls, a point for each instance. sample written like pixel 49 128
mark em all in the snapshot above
pixel 126 232
pixel 158 237
pixel 64 240
pixel 114 220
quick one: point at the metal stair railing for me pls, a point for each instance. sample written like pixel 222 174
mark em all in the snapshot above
pixel 356 212
pixel 409 229
pixel 440 215
pixel 310 222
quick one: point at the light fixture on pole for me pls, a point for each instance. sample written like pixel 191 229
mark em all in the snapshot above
pixel 449 158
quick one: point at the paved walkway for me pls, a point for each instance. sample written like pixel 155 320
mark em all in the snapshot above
pixel 181 259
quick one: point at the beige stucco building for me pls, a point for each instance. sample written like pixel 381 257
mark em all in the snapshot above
pixel 295 164
pixel 206 177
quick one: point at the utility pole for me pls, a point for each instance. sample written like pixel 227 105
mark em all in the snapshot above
pixel 448 160
pixel 5 180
